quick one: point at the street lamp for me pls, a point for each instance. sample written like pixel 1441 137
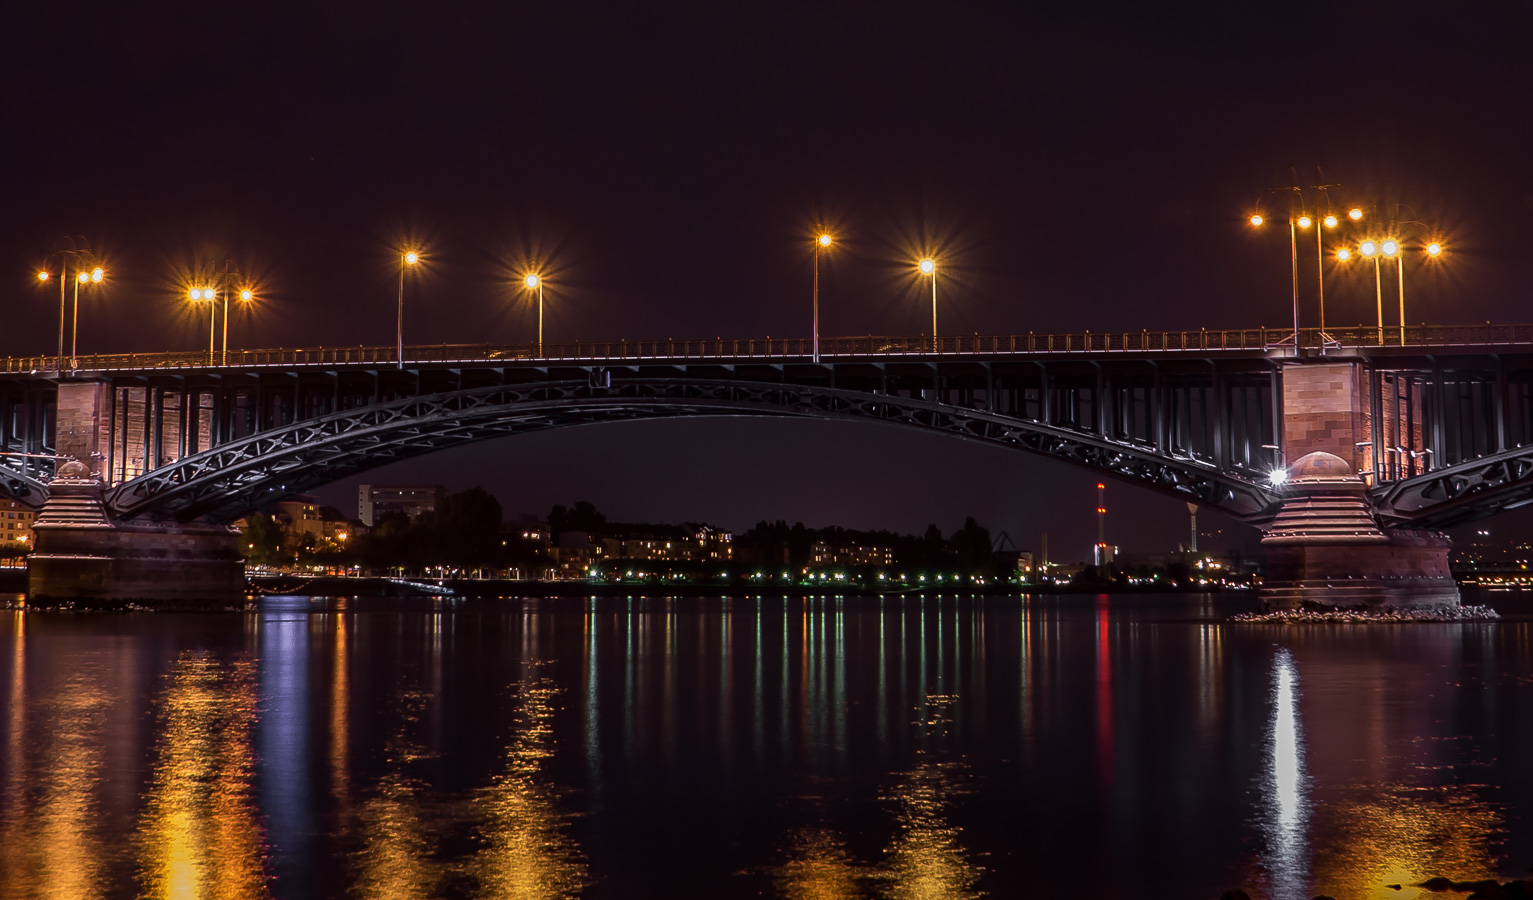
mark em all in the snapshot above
pixel 1257 220
pixel 246 295
pixel 1370 250
pixel 820 243
pixel 210 295
pixel 928 267
pixel 87 271
pixel 534 282
pixel 94 276
pixel 406 258
pixel 1298 218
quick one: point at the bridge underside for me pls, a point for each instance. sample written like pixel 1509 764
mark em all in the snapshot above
pixel 230 480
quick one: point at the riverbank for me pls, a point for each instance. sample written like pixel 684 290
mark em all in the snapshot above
pixel 315 586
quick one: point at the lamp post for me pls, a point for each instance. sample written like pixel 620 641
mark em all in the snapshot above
pixel 534 282
pixel 1395 249
pixel 246 295
pixel 210 295
pixel 407 258
pixel 1390 248
pixel 1329 220
pixel 1297 219
pixel 1295 213
pixel 94 276
pixel 1370 250
pixel 820 243
pixel 928 267
pixel 87 271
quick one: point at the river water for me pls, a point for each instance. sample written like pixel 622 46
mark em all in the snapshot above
pixel 1080 746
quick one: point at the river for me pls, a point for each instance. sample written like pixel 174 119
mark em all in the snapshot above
pixel 898 747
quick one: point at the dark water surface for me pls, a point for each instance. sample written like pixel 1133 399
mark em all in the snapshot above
pixel 1081 746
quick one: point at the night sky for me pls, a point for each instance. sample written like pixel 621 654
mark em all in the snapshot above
pixel 1071 166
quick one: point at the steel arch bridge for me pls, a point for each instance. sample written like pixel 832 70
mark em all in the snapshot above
pixel 226 482
pixel 1438 420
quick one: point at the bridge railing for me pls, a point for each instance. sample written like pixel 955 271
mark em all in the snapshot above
pixel 1357 337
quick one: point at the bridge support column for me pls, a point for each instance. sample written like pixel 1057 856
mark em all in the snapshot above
pixel 82 558
pixel 85 422
pixel 1326 549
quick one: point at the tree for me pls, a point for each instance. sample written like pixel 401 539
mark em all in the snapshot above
pixel 972 546
pixel 464 530
pixel 263 540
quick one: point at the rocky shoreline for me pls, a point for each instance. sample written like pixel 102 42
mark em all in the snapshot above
pixel 1349 616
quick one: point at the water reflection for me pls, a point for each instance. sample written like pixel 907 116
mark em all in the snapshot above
pixel 200 836
pixel 1285 801
pixel 927 860
pixel 819 867
pixel 1382 835
pixel 854 748
pixel 53 842
pixel 528 854
pixel 397 848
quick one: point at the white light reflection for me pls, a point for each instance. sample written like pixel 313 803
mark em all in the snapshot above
pixel 1286 807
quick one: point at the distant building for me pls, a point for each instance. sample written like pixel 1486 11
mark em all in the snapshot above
pixel 16 523
pixel 375 501
pixel 823 553
pixel 712 543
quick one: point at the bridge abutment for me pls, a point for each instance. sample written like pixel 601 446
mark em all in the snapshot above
pixel 1326 548
pixel 84 559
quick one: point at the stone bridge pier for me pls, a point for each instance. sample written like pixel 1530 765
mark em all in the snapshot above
pixel 1326 548
pixel 83 557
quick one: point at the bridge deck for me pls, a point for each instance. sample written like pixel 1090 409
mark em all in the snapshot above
pixel 1251 342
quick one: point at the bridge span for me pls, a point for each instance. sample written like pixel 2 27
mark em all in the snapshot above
pixel 1433 425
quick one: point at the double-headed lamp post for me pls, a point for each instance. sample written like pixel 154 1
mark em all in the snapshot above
pixel 87 273
pixel 94 276
pixel 406 258
pixel 534 282
pixel 221 284
pixel 928 268
pixel 1298 219
pixel 1390 248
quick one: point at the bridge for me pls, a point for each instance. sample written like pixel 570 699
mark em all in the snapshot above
pixel 1432 425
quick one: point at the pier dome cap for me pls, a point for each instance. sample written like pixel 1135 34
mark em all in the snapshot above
pixel 74 469
pixel 1320 465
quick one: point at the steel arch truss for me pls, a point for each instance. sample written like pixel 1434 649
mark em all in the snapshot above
pixel 26 488
pixel 1459 494
pixel 228 481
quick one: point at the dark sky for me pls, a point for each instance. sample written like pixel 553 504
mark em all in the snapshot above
pixel 1073 166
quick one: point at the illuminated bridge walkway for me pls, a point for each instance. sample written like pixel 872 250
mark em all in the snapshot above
pixel 1439 420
